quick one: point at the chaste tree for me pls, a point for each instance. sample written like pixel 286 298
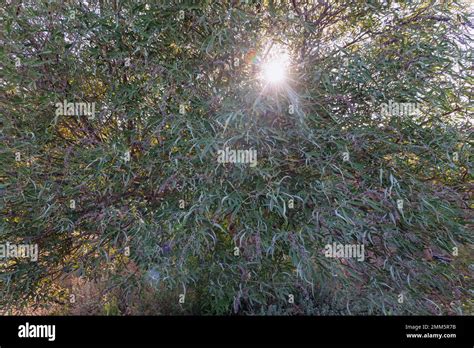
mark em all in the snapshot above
pixel 359 114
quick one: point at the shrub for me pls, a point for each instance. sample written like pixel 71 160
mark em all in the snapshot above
pixel 341 157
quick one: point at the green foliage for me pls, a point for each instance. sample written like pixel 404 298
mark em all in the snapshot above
pixel 347 59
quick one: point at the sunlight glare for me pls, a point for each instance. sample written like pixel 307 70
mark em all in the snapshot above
pixel 274 71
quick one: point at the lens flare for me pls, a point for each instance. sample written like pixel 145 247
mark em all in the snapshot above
pixel 274 71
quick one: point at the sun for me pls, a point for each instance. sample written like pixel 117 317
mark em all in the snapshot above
pixel 275 69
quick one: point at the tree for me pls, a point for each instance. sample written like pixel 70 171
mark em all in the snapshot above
pixel 365 142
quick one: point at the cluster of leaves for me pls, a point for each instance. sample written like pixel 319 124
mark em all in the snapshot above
pixel 180 213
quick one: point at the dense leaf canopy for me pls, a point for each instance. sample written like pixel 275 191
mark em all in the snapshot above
pixel 134 195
